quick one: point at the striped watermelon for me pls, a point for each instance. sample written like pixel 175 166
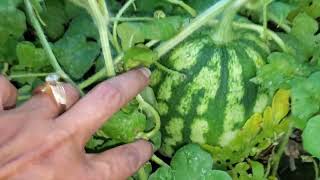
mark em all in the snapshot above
pixel 215 97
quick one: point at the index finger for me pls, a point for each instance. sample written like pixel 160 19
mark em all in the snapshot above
pixel 8 94
pixel 89 113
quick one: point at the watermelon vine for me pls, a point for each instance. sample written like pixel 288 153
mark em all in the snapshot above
pixel 234 90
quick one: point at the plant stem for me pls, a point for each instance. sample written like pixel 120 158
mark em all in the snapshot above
pixel 5 68
pixel 119 19
pixel 101 21
pixel 151 43
pixel 165 47
pixel 284 26
pixel 185 6
pixel 198 22
pixel 276 158
pixel 167 70
pixel 260 29
pixel 115 24
pixel 53 60
pixel 159 161
pixel 96 77
pixel 148 108
pixel 316 169
pixel 265 19
pixel 224 32
pixel 28 75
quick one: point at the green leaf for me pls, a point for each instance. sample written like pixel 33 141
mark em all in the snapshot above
pixel 314 9
pixel 304 29
pixel 190 162
pixel 78 49
pixel 76 54
pixel 54 17
pixel 131 33
pixel 32 57
pixel 9 4
pixel 257 170
pixel 306 97
pixel 139 56
pixel 124 126
pixel 12 27
pixel 279 11
pixel 217 175
pixel 280 70
pixel 83 25
pixel 162 173
pixel 309 136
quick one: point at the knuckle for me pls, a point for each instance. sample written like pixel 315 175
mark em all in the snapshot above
pixel 110 92
pixel 133 158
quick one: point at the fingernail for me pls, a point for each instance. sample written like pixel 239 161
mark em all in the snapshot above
pixel 145 71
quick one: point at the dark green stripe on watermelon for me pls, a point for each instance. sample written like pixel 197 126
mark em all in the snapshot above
pixel 182 122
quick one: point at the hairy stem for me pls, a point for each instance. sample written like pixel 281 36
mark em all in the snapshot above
pixel 158 161
pixel 5 68
pixel 276 158
pixel 167 70
pixel 101 18
pixel 265 19
pixel 127 19
pixel 165 47
pixel 53 60
pixel 115 24
pixel 260 30
pixel 316 169
pixel 185 6
pixel 198 22
pixel 28 75
pixel 224 33
pixel 148 108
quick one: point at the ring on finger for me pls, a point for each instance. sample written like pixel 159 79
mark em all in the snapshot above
pixel 54 88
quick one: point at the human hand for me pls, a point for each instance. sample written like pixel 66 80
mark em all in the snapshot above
pixel 38 143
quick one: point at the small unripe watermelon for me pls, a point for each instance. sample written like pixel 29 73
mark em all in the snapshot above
pixel 215 97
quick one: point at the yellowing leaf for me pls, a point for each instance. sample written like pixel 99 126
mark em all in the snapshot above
pixel 280 105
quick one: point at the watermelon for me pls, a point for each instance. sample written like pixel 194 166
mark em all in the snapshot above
pixel 214 97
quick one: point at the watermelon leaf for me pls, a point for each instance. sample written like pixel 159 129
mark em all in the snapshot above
pixel 139 56
pixel 126 124
pixel 190 162
pixel 281 69
pixel 310 141
pixel 131 33
pixel 30 56
pixel 305 97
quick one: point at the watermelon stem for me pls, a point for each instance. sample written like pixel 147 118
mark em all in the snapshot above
pixel 185 6
pixel 259 29
pixel 158 161
pixel 115 24
pixel 100 14
pixel 265 18
pixel 224 34
pixel 165 47
pixel 46 46
pixel 150 110
pixel 276 158
pixel 169 71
